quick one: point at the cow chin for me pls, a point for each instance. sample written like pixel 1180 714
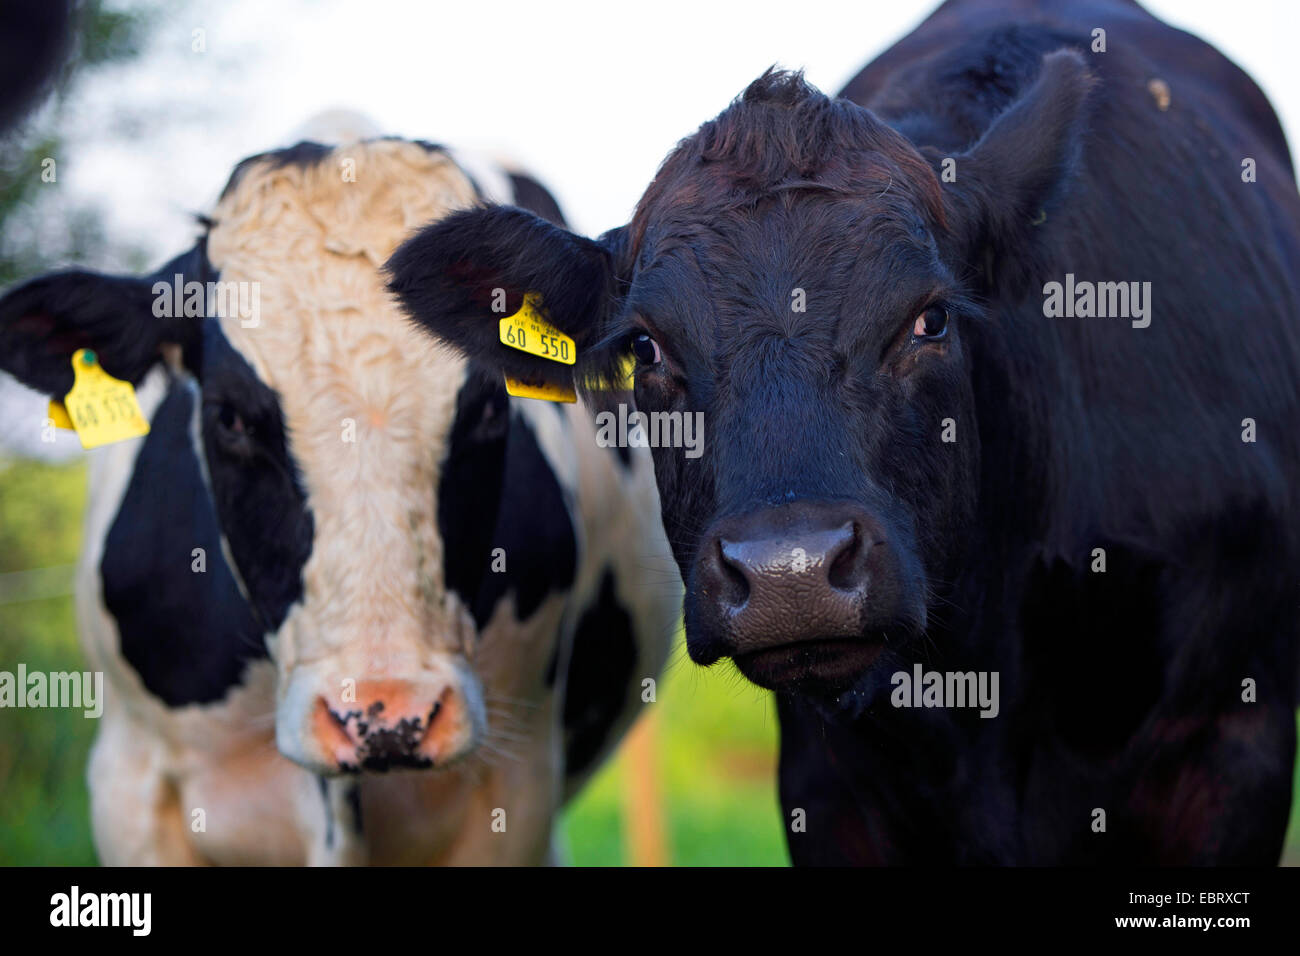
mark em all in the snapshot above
pixel 333 722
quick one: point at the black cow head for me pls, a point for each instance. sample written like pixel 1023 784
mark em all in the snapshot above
pixel 798 274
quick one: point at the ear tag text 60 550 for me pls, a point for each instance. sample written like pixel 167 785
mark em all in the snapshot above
pixel 527 331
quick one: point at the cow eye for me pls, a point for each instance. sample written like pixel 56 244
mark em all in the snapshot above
pixel 646 350
pixel 932 323
pixel 231 421
pixel 233 431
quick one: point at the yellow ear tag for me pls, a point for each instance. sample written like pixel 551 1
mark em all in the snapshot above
pixel 101 408
pixel 59 415
pixel 527 331
pixel 546 391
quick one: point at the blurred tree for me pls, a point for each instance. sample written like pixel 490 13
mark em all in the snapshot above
pixel 34 237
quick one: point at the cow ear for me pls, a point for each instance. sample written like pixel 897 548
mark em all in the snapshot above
pixel 1008 185
pixel 46 320
pixel 460 276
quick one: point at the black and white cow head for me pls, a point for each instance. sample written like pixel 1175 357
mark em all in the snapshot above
pixel 354 466
pixel 797 273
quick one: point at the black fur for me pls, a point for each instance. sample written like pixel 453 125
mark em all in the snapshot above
pixel 33 45
pixel 255 486
pixel 45 321
pixel 470 486
pixel 449 273
pixel 534 528
pixel 536 198
pixel 188 634
pixel 601 667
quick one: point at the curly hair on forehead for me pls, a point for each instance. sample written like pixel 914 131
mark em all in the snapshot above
pixel 783 134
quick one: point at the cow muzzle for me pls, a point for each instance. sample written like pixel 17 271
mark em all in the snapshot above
pixel 337 725
pixel 800 595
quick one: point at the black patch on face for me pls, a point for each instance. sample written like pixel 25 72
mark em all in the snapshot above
pixel 601 667
pixel 259 498
pixel 469 489
pixel 189 635
pixel 534 528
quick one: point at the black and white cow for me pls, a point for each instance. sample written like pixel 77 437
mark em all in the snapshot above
pixel 340 543
pixel 918 461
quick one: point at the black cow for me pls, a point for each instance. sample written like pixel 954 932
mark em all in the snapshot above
pixel 941 466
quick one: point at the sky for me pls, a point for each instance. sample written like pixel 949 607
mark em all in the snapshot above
pixel 588 96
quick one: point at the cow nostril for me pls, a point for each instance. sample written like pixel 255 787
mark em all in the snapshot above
pixel 845 565
pixel 731 580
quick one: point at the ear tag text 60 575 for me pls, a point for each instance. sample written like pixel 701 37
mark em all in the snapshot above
pixel 101 409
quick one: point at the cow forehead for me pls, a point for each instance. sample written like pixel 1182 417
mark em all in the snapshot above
pixel 308 240
pixel 368 401
pixel 360 199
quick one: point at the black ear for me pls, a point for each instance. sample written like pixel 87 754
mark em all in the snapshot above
pixel 46 320
pixel 460 276
pixel 1008 184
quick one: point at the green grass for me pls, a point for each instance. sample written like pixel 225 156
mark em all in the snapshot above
pixel 44 809
pixel 716 775
pixel 715 769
